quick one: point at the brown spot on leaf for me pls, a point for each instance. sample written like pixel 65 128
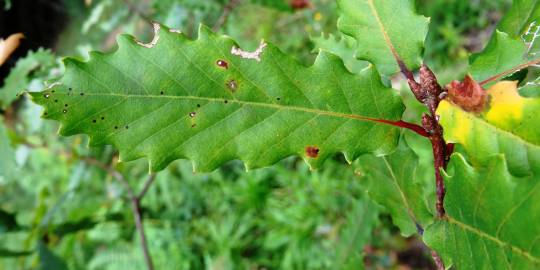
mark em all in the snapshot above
pixel 312 151
pixel 469 94
pixel 222 64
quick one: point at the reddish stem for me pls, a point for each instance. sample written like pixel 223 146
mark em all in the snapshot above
pixel 510 71
pixel 402 124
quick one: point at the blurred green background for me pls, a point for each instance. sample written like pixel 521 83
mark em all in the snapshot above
pixel 60 211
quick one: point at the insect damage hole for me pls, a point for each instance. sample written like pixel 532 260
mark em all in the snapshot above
pixel 155 39
pixel 312 151
pixel 232 85
pixel 256 55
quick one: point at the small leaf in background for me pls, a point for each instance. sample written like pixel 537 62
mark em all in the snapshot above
pixel 8 46
pixel 519 17
pixel 48 260
pixel 19 77
pixel 384 30
pixel 344 47
pixel 395 182
pixel 210 102
pixel 491 218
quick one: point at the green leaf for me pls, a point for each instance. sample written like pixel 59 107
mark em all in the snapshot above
pixel 48 259
pixel 395 182
pixel 7 155
pixel 501 54
pixel 177 98
pixel 344 47
pixel 384 31
pixel 491 218
pixel 508 127
pixel 18 79
pixel 518 19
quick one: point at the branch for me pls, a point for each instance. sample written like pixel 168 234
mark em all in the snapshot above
pixel 147 185
pixel 135 204
pixel 225 15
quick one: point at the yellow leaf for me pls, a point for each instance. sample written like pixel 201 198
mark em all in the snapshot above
pixel 506 105
pixel 8 46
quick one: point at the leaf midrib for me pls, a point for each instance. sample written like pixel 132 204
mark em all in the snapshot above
pixel 243 102
pixel 496 240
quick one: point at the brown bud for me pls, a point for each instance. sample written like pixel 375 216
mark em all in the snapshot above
pixel 469 94
pixel 417 90
pixel 429 81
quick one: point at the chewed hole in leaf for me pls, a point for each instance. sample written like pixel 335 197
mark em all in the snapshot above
pixel 192 114
pixel 312 151
pixel 232 85
pixel 64 111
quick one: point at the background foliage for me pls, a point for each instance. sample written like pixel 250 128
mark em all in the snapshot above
pixel 60 211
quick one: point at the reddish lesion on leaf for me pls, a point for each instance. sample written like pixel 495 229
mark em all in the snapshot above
pixel 312 151
pixel 300 4
pixel 468 94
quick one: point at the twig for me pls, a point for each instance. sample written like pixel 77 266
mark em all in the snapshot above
pixel 135 204
pixel 147 185
pixel 225 14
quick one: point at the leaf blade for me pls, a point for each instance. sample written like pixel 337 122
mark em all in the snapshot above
pixel 173 101
pixel 479 230
pixel 385 31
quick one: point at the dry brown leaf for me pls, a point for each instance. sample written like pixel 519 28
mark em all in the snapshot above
pixel 8 46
